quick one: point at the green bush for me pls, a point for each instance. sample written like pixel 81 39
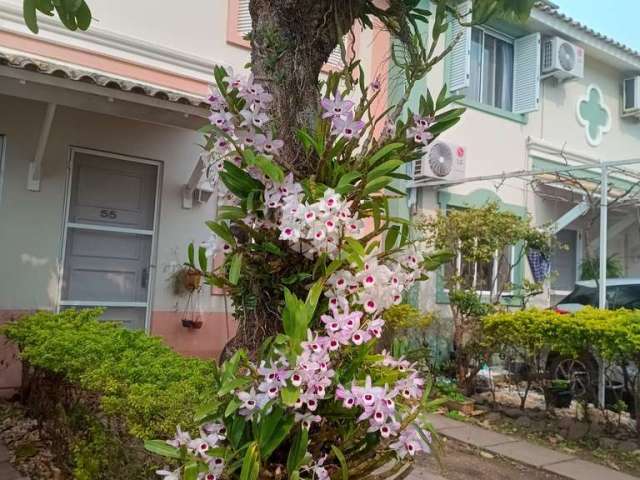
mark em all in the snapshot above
pixel 138 377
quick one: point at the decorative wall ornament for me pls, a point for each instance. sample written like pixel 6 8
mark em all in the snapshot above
pixel 594 115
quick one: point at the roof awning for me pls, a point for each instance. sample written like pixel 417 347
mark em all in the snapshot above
pixel 78 87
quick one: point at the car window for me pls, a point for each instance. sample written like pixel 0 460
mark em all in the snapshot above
pixel 583 296
pixel 624 296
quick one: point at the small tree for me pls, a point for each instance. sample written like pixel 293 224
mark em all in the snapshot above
pixel 481 240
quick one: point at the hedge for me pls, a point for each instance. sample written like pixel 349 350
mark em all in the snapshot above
pixel 615 334
pixel 109 385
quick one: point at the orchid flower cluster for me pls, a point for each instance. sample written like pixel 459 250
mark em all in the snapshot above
pixel 306 376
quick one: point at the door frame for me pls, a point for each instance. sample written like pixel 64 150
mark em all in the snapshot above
pixel 154 232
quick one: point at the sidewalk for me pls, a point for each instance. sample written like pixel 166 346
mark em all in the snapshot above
pixel 7 472
pixel 524 452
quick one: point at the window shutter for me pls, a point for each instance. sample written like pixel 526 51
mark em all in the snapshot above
pixel 335 57
pixel 244 18
pixel 460 56
pixel 526 73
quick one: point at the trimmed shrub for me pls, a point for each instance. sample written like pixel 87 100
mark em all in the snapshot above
pixel 100 390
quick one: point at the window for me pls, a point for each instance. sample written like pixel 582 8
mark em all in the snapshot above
pixel 563 261
pixel 494 277
pixel 491 70
pixel 496 72
pixel 2 141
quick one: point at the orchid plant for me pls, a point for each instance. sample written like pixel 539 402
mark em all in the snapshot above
pixel 316 399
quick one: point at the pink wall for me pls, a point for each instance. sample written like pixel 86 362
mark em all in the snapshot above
pixel 206 342
pixel 10 366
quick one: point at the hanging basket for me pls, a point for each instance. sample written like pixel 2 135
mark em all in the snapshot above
pixel 192 279
pixel 539 264
pixel 192 324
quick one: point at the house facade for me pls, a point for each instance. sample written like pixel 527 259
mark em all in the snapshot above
pixel 100 180
pixel 536 105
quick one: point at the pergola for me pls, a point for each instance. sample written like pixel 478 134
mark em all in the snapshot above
pixel 601 181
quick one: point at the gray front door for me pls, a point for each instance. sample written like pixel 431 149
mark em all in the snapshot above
pixel 109 236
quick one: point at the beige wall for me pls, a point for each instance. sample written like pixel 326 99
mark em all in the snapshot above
pixel 31 231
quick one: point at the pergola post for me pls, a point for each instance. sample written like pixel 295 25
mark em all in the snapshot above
pixel 602 283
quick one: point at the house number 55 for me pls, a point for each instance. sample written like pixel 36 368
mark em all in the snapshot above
pixel 108 214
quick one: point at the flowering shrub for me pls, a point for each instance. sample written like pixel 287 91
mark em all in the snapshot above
pixel 315 398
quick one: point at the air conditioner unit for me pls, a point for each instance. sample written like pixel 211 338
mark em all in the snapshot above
pixel 442 161
pixel 631 97
pixel 562 59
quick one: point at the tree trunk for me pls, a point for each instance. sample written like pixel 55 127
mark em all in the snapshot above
pixel 290 42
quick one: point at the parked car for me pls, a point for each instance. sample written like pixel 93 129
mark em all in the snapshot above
pixel 582 372
pixel 621 293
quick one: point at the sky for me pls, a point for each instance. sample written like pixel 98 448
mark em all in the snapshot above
pixel 618 19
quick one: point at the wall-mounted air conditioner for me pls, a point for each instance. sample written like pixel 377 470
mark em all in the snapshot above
pixel 562 59
pixel 442 161
pixel 631 97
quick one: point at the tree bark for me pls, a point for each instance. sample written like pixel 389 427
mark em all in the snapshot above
pixel 290 42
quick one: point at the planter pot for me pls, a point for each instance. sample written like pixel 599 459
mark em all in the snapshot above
pixel 557 398
pixel 467 407
pixel 193 324
pixel 192 280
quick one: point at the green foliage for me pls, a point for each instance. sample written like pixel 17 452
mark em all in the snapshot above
pixel 614 334
pixel 140 379
pixel 74 14
pixel 405 316
pixel 590 268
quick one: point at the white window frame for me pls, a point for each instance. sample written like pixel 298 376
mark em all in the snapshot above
pixel 66 225
pixel 494 274
pixel 3 149
pixel 500 36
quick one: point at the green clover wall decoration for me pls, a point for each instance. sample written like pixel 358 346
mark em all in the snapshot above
pixel 594 115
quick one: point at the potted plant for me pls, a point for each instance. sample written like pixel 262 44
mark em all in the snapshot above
pixel 558 394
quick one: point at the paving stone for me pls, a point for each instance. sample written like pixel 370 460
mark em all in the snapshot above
pixel 582 470
pixel 441 422
pixel 4 453
pixel 7 472
pixel 529 454
pixel 477 436
pixel 422 474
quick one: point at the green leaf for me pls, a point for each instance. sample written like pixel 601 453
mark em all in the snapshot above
pixel 391 237
pixel 160 447
pixel 191 471
pixel 308 141
pixel 290 395
pixel 343 462
pixel 231 385
pixel 384 168
pixel 270 169
pixel 191 255
pixel 274 429
pixel 232 406
pixel 202 258
pixel 345 184
pixel 298 450
pixel 383 152
pixel 313 296
pixel 234 269
pixel 228 212
pixel 83 17
pixel 205 410
pixel 30 15
pixel 376 185
pixel 251 463
pixel 223 231
pixel 72 5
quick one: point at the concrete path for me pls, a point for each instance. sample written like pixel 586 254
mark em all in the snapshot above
pixel 524 452
pixel 7 472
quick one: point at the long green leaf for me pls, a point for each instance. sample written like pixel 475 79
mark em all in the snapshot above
pixel 251 463
pixel 385 168
pixel 30 15
pixel 383 152
pixel 234 269
pixel 343 462
pixel 376 184
pixel 160 447
pixel 298 450
pixel 223 231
